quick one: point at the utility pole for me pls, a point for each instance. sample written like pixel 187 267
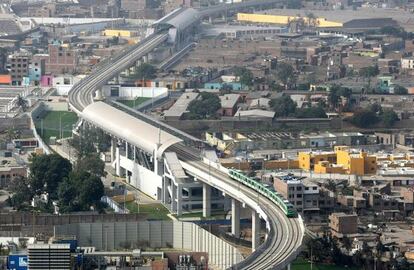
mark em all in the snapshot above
pixel 311 257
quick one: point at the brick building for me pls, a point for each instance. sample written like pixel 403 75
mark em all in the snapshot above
pixel 18 66
pixel 10 172
pixel 229 104
pixel 341 223
pixel 305 195
pixel 61 59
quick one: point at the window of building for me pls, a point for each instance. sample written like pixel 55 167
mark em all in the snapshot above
pixel 314 188
pixel 68 54
pixel 298 188
pixel 298 195
pixel 299 203
pixel 306 188
pixel 60 54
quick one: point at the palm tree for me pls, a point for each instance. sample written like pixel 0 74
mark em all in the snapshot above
pixel 21 102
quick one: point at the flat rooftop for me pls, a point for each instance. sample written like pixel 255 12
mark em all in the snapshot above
pixel 180 106
pixel 404 18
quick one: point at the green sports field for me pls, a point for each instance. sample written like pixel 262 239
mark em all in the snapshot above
pixel 53 122
pixel 302 264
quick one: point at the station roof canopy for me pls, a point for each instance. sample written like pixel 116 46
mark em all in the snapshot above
pixel 128 128
pixel 180 18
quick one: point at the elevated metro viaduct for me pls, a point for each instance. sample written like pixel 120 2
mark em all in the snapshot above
pixel 161 165
pixel 149 153
pixel 149 148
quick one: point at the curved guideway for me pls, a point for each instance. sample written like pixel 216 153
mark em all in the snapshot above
pixel 284 236
pixel 82 93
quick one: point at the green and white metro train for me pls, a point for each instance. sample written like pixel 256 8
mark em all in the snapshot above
pixel 274 196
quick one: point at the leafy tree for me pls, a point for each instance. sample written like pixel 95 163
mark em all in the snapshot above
pixel 376 108
pixel 21 102
pixel 393 31
pixel 79 191
pixel 400 90
pixel 335 94
pixel 11 134
pixel 283 106
pixel 67 194
pixel 364 118
pixel 312 112
pixel 347 242
pixel 315 250
pixel 145 72
pixel 113 41
pixel 22 192
pixel 92 164
pixel 46 172
pixel 91 192
pixel 83 144
pixel 286 74
pixel 245 75
pixel 389 117
pixel 369 72
pixel 90 140
pixel 204 107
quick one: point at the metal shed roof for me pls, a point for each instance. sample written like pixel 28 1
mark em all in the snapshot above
pixel 129 128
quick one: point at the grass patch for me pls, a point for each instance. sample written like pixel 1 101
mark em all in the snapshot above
pixel 130 103
pixel 53 122
pixel 302 264
pixel 154 211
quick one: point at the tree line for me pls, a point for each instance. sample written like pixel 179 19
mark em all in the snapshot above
pixel 75 187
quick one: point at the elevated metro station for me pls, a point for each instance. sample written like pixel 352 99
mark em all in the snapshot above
pixel 168 165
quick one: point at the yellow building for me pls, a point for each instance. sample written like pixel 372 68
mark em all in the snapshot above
pixel 118 33
pixel 341 160
pixel 285 20
pixel 307 160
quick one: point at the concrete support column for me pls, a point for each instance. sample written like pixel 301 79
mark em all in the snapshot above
pixel 173 197
pixel 126 150
pixel 288 267
pixel 145 58
pixel 206 200
pixel 255 230
pixel 179 200
pixel 118 161
pixel 235 218
pixel 98 94
pixel 135 153
pixel 164 190
pixel 113 146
